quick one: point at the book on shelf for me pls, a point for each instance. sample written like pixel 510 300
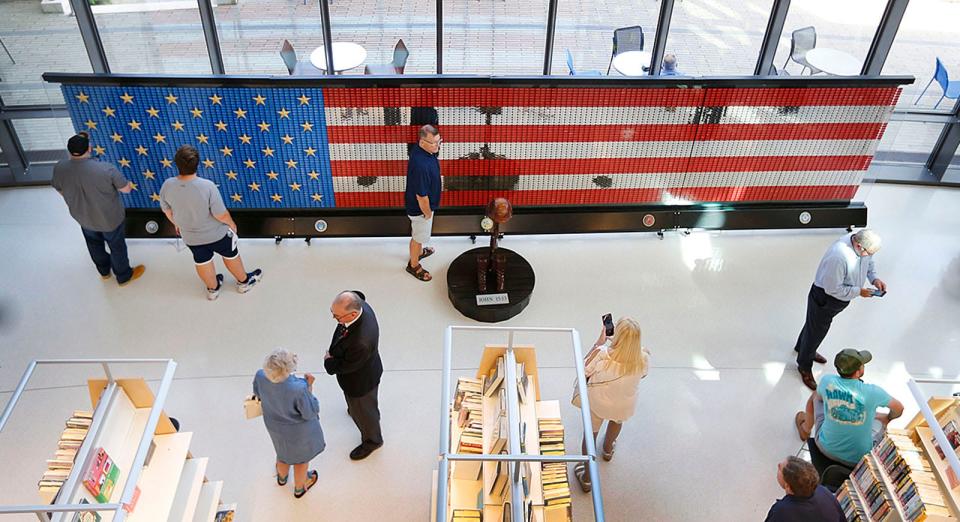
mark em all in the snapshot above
pixel 101 475
pixel 465 385
pixel 86 516
pixel 60 466
pixel 522 382
pixel 467 515
pixel 914 484
pixel 225 513
pixel 499 487
pixel 500 436
pixel 850 503
pixel 495 378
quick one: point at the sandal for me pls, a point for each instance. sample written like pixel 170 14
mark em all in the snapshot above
pixel 580 471
pixel 312 477
pixel 609 456
pixel 427 252
pixel 798 421
pixel 282 481
pixel 419 272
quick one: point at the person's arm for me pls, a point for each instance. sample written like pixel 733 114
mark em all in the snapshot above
pixel 352 360
pixel 872 275
pixel 809 418
pixel 119 181
pixel 424 202
pixel 226 219
pixel 256 389
pixel 835 271
pixel 896 410
pixel 168 211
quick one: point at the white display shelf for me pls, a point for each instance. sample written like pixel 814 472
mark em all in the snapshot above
pixel 209 500
pixel 159 481
pixel 188 491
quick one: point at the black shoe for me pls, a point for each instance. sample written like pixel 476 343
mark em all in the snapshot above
pixel 363 451
pixel 817 358
pixel 808 380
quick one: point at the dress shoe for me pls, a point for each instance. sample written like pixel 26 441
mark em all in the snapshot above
pixel 363 451
pixel 137 272
pixel 817 358
pixel 807 377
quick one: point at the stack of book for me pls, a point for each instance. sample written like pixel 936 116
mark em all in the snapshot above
pixel 876 501
pixel 913 481
pixel 101 476
pixel 467 515
pixel 556 491
pixel 468 403
pixel 551 436
pixel 495 378
pixel 59 467
pixel 851 504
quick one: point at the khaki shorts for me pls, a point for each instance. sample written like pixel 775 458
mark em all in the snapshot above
pixel 422 227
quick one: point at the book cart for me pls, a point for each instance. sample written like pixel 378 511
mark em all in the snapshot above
pixel 502 455
pixel 123 460
pixel 911 474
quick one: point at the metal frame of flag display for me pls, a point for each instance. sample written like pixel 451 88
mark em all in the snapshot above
pixel 298 157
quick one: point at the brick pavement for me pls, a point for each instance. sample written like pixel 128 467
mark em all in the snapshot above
pixel 480 36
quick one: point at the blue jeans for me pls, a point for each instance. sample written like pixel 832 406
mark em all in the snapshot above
pixel 116 259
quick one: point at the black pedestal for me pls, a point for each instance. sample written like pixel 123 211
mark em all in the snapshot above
pixel 462 286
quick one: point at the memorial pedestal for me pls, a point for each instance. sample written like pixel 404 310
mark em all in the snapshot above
pixel 463 291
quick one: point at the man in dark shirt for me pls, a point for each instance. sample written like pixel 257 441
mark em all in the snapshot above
pixel 806 500
pixel 91 190
pixel 354 358
pixel 422 196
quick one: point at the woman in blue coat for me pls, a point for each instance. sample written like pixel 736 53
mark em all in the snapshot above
pixel 292 416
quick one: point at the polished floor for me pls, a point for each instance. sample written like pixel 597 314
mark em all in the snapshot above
pixel 720 313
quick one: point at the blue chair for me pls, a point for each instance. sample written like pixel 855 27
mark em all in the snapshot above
pixel 574 72
pixel 950 89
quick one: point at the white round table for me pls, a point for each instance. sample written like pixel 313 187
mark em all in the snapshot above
pixel 834 62
pixel 346 55
pixel 631 63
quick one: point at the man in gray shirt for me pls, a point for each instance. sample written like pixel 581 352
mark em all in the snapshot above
pixel 195 207
pixel 846 265
pixel 91 190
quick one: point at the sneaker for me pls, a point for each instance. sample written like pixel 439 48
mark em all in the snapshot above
pixel 213 294
pixel 137 272
pixel 252 279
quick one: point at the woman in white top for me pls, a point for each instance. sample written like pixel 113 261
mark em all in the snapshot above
pixel 613 370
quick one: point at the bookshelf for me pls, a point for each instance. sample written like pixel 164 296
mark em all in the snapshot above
pixel 473 485
pixel 915 481
pixel 159 480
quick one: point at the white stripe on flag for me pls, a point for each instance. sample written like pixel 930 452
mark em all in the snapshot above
pixel 375 116
pixel 610 149
pixel 625 181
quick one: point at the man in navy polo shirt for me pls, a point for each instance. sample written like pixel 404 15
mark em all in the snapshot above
pixel 422 197
pixel 805 500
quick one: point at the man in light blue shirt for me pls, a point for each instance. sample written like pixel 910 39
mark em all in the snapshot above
pixel 844 269
pixel 843 410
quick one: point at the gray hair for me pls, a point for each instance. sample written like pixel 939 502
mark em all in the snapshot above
pixel 279 365
pixel 670 62
pixel 428 130
pixel 868 240
pixel 350 300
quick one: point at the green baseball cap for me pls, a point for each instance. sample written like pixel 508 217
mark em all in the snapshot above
pixel 850 360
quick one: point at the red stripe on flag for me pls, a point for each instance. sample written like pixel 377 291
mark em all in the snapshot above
pixel 612 97
pixel 608 133
pixel 510 97
pixel 779 97
pixel 606 196
pixel 513 167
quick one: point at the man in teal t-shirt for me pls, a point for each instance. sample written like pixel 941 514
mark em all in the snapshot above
pixel 843 410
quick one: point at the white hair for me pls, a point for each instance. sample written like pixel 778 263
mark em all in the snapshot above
pixel 868 240
pixel 279 365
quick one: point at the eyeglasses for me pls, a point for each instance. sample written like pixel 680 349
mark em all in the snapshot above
pixel 339 318
pixel 428 142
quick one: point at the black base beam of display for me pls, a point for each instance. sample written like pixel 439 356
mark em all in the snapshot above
pixel 280 224
pixel 465 295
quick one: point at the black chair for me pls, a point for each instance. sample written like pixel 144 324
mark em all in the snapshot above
pixel 832 473
pixel 801 41
pixel 294 66
pixel 400 55
pixel 626 39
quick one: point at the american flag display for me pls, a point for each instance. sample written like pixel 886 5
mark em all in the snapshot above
pixel 292 147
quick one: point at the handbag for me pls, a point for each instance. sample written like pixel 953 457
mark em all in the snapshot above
pixel 252 407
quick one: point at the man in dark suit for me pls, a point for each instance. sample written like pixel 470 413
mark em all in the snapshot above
pixel 354 359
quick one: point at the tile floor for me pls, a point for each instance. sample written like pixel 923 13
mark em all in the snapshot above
pixel 720 313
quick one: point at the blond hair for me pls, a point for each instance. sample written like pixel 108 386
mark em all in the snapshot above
pixel 625 349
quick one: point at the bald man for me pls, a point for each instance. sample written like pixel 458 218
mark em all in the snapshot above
pixel 354 359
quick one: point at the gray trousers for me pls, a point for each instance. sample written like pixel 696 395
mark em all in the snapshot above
pixel 366 415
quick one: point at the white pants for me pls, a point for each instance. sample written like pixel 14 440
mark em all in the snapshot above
pixel 422 227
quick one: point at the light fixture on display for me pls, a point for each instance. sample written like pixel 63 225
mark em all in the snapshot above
pixel 320 226
pixel 152 227
pixel 805 218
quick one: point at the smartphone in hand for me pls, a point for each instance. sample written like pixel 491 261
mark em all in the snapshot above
pixel 879 293
pixel 608 324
